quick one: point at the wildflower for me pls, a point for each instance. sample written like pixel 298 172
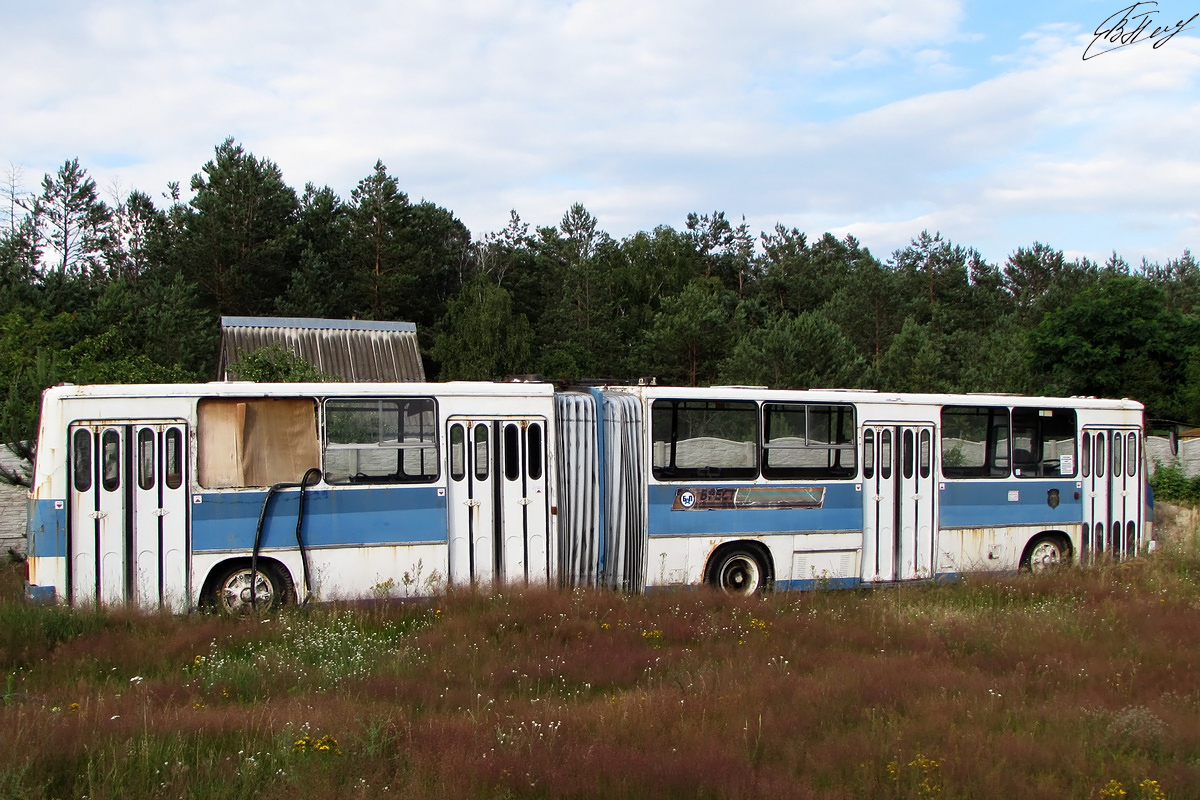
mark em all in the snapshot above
pixel 73 708
pixel 1151 790
pixel 136 679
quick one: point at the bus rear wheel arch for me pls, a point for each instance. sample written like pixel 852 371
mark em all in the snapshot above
pixel 1046 552
pixel 740 568
pixel 233 588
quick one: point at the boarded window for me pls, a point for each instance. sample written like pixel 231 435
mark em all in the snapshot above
pixel 381 440
pixel 256 442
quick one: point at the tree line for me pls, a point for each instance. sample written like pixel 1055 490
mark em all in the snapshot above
pixel 132 291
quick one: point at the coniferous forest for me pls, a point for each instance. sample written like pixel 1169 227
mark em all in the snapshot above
pixel 131 290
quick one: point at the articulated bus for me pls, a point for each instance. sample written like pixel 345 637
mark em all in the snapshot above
pixel 243 495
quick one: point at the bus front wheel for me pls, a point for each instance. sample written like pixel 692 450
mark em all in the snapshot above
pixel 238 592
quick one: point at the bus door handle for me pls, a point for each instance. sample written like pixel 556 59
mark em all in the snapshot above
pixel 98 514
pixel 472 503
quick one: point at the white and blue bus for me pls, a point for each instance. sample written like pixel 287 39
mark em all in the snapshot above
pixel 246 495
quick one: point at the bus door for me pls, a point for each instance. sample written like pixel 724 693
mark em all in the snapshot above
pixel 900 501
pixel 1111 469
pixel 128 514
pixel 498 506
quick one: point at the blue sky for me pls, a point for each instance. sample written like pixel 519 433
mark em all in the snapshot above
pixel 879 118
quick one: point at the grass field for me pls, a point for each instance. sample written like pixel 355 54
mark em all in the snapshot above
pixel 1082 684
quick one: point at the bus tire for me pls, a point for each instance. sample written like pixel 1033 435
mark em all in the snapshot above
pixel 1045 553
pixel 230 591
pixel 740 570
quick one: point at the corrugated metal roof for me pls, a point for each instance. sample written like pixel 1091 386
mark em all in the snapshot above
pixel 353 350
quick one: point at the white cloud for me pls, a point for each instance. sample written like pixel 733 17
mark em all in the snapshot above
pixel 641 111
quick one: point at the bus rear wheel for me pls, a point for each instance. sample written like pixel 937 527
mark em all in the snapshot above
pixel 238 592
pixel 1046 553
pixel 740 571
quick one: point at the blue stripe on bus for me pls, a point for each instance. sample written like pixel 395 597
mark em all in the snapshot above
pixel 811 584
pixel 984 503
pixel 338 517
pixel 841 510
pixel 47 529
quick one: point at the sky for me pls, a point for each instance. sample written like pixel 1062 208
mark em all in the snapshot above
pixel 879 119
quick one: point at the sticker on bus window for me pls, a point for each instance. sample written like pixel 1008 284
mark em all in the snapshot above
pixel 1066 465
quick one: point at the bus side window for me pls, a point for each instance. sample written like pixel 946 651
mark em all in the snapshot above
pixel 869 454
pixel 110 458
pixel 458 452
pixel 381 440
pixel 1044 442
pixel 534 442
pixel 705 439
pixel 82 462
pixel 482 454
pixel 975 442
pixel 814 441
pixel 145 458
pixel 173 459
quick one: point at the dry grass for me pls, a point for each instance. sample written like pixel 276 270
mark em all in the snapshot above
pixel 1082 684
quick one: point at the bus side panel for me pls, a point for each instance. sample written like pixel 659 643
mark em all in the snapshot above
pixel 332 518
pixel 992 549
pixel 379 572
pixel 840 508
pixel 801 560
pixel 985 524
pixel 47 550
pixel 980 503
pixel 809 545
pixel 47 530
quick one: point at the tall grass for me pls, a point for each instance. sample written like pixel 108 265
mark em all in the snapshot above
pixel 1082 684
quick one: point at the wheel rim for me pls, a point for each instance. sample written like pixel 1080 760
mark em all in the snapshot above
pixel 1045 555
pixel 739 574
pixel 235 596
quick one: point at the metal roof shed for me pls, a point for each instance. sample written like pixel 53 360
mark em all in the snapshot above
pixel 353 350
